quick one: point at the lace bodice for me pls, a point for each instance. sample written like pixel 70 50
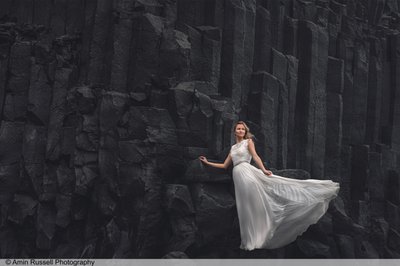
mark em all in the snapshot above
pixel 240 152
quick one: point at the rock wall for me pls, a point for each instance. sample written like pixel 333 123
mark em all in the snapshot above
pixel 105 106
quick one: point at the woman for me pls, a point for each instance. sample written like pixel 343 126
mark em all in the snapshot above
pixel 272 210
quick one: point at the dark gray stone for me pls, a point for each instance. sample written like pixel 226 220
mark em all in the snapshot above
pixel 68 141
pixel 34 145
pixel 66 179
pixel 313 249
pixel 152 217
pixel 264 96
pixel 15 105
pixel 99 64
pixel 376 182
pixel 123 248
pixel 283 120
pixel 35 174
pixel 291 83
pixel 280 70
pixel 130 180
pixel 103 199
pixel 333 143
pixel 391 254
pixel 395 91
pixel 262 41
pixel 346 246
pixel 75 13
pixel 85 178
pixel 322 16
pixel 181 216
pixel 86 38
pixel 22 207
pixel 178 200
pixel 379 234
pixel 175 255
pixel 214 212
pixel 205 54
pixel 174 53
pixel 123 25
pixel 342 223
pixel 170 161
pixel 237 50
pixel 304 10
pixel 3 77
pixel 39 96
pixel 10 179
pixel 158 99
pixel 359 171
pixel 365 250
pixel 58 19
pixel 394 240
pixel 192 12
pixel 196 171
pixel 290 36
pixel 133 151
pixel 147 33
pixel 82 99
pixel 11 138
pixel 335 79
pixel 392 215
pixel 49 187
pixel 197 13
pixel 106 105
pixel 151 124
pixel 393 187
pixel 375 83
pixel 221 137
pixel 57 113
pixel 65 251
pixel 46 226
pixel 361 213
pixel 311 98
pixel 63 205
pixel 8 242
pixel 111 110
pixel 150 6
pixel 193 118
pixel 277 11
pixel 360 94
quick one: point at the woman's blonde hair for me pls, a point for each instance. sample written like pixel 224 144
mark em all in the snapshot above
pixel 247 135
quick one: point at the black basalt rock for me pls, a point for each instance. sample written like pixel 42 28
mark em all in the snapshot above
pixel 106 106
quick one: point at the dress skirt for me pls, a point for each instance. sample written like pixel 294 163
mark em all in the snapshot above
pixel 274 210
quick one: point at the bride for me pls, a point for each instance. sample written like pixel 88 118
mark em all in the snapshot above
pixel 272 210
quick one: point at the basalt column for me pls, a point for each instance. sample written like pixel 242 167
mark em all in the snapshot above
pixel 311 98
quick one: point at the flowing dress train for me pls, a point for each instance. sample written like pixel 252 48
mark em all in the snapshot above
pixel 274 210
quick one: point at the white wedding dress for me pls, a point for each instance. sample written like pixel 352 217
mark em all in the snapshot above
pixel 274 210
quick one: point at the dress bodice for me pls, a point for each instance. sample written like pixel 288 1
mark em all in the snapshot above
pixel 240 152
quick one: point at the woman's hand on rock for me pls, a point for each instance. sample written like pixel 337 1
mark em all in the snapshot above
pixel 203 159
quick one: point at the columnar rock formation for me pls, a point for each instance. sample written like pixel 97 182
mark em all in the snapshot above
pixel 105 106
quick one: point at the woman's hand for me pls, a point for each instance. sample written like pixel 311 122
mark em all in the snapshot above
pixel 203 159
pixel 267 172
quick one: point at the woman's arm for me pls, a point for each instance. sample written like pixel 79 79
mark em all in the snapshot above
pixel 224 165
pixel 256 158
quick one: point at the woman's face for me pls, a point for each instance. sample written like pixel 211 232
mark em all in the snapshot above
pixel 240 130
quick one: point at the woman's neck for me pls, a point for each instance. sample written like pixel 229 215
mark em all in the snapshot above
pixel 239 139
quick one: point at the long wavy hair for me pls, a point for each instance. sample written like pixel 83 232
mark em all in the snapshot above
pixel 248 134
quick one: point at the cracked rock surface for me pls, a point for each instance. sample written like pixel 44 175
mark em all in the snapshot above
pixel 106 105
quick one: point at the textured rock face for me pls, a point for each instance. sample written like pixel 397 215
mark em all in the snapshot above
pixel 105 106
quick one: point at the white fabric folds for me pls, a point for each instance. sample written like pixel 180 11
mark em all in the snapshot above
pixel 274 210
